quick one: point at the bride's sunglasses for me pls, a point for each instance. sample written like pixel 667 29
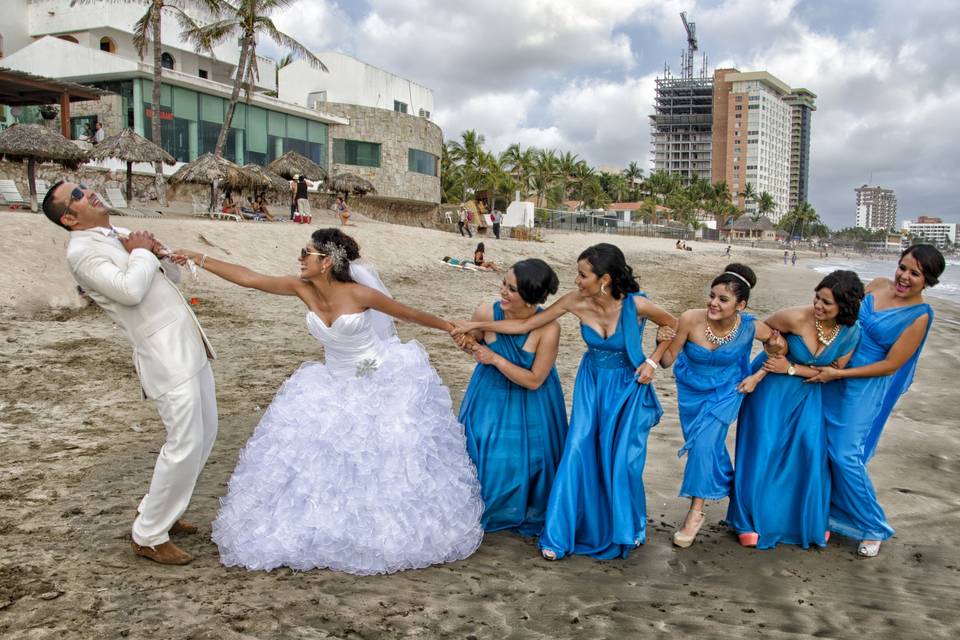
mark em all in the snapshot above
pixel 304 253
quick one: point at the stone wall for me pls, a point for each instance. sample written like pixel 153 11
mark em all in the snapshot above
pixel 397 133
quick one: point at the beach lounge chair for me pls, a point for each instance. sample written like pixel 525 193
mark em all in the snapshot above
pixel 117 201
pixel 11 196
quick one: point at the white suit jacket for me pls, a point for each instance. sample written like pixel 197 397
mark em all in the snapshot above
pixel 169 347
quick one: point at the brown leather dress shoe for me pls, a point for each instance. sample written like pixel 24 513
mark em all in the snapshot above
pixel 182 527
pixel 166 553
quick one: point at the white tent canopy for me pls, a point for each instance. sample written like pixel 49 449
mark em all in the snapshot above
pixel 519 214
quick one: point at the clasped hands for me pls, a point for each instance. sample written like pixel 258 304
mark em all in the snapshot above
pixel 144 240
pixel 468 344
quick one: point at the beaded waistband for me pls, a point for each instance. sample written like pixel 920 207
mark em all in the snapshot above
pixel 610 359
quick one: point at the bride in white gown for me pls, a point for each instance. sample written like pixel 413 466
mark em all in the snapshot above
pixel 359 464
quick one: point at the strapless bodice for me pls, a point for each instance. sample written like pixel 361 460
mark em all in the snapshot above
pixel 351 345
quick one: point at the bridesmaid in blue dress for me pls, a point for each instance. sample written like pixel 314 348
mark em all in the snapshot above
pixel 513 410
pixel 781 489
pixel 597 506
pixel 712 353
pixel 895 322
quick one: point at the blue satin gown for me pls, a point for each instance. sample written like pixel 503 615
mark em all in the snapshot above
pixel 708 402
pixel 515 437
pixel 854 428
pixel 597 506
pixel 781 487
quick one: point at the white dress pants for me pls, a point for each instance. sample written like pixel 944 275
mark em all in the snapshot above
pixel 189 413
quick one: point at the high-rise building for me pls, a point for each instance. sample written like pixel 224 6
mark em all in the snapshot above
pixel 932 230
pixel 682 125
pixel 753 118
pixel 876 208
pixel 802 106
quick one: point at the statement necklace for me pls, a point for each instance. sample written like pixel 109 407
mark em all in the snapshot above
pixel 713 338
pixel 821 338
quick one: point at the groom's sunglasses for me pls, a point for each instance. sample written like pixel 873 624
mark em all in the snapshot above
pixel 78 193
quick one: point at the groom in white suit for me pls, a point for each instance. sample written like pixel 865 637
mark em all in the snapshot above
pixel 124 274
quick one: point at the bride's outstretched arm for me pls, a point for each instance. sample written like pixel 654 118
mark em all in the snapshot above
pixel 375 300
pixel 238 274
pixel 518 327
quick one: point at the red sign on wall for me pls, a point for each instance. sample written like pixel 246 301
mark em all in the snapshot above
pixel 164 115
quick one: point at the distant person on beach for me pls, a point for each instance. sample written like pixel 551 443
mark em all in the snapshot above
pixel 597 506
pixel 230 205
pixel 781 489
pixel 793 259
pixel 129 275
pixel 711 357
pixel 786 255
pixel 896 322
pixel 726 252
pixel 99 134
pixel 342 211
pixel 303 199
pixel 259 206
pixel 462 222
pixel 481 261
pixel 359 464
pixel 495 218
pixel 513 410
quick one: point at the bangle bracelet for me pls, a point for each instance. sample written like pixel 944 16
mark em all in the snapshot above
pixel 653 364
pixel 203 259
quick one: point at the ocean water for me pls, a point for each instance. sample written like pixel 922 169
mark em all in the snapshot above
pixel 948 288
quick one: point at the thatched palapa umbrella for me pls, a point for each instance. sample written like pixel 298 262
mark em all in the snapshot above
pixel 271 181
pixel 38 143
pixel 348 183
pixel 130 147
pixel 292 163
pixel 211 169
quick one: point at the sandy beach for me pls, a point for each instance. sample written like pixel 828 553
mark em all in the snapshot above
pixel 77 447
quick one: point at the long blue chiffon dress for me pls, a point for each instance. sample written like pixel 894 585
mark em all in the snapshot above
pixel 708 402
pixel 515 437
pixel 854 427
pixel 781 487
pixel 597 506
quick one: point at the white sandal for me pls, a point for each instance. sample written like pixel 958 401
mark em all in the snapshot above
pixel 868 548
pixel 684 540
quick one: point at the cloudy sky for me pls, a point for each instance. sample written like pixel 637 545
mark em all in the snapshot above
pixel 578 75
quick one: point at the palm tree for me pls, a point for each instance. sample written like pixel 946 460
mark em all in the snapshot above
pixel 662 183
pixel 634 176
pixel 545 170
pixel 802 221
pixel 451 176
pixel 520 161
pixel 284 60
pixel 467 154
pixel 247 20
pixel 567 168
pixel 749 194
pixel 148 30
pixel 765 204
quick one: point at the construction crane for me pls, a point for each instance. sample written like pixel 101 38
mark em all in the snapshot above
pixel 691 28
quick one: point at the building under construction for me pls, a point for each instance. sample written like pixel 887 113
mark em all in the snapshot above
pixel 683 119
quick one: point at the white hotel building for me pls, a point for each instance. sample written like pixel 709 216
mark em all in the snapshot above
pixel 935 232
pixel 371 123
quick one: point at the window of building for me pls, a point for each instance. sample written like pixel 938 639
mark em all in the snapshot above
pixel 166 60
pixel 108 45
pixel 739 98
pixel 356 152
pixel 739 107
pixel 399 106
pixel 422 162
pixel 424 114
pixel 203 73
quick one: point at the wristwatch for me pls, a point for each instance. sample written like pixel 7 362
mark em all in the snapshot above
pixel 791 370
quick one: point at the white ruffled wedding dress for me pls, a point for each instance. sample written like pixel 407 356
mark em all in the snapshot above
pixel 358 465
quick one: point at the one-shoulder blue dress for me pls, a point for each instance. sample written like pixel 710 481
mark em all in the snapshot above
pixel 515 437
pixel 781 487
pixel 597 506
pixel 708 402
pixel 854 428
